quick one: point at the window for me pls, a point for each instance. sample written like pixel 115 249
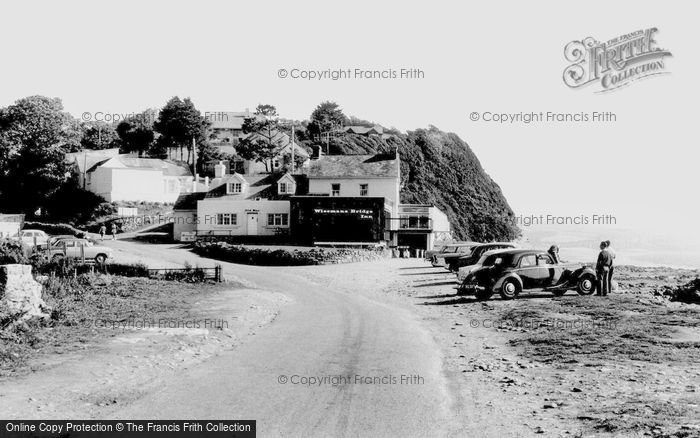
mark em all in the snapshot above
pixel 364 189
pixel 287 188
pixel 234 187
pixel 528 261
pixel 278 219
pixel 544 259
pixel 335 189
pixel 276 163
pixel 226 219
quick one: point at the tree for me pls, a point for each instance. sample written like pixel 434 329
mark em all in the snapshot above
pixel 263 136
pixel 179 122
pixel 136 133
pixel 100 135
pixel 35 134
pixel 327 117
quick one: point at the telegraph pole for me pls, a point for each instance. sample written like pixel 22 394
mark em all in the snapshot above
pixel 293 163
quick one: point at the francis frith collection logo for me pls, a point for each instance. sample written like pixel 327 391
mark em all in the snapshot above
pixel 615 63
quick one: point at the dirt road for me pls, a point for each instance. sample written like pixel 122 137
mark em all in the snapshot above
pixel 320 334
pixel 386 349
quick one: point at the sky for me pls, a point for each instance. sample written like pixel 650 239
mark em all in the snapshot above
pixel 500 57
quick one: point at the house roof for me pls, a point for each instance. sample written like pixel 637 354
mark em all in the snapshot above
pixel 86 159
pixel 256 186
pixel 355 166
pixel 363 129
pixel 227 119
pixel 169 168
pixel 188 201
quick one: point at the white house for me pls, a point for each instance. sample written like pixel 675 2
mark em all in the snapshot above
pixel 246 205
pixel 127 178
pixel 226 129
pixel 10 225
pixel 82 161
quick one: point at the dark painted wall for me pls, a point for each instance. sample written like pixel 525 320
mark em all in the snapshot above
pixel 336 219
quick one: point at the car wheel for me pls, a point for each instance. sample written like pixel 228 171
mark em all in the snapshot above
pixel 57 258
pixel 585 284
pixel 509 289
pixel 101 258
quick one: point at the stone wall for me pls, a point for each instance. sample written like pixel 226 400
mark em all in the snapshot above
pixel 20 294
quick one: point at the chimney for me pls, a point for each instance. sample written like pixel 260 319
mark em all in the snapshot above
pixel 219 170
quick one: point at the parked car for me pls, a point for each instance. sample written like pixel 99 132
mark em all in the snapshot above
pixel 454 263
pixel 429 254
pixel 452 250
pixel 466 270
pixel 513 271
pixel 55 239
pixel 30 237
pixel 75 248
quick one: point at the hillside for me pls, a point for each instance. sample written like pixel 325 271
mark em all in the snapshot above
pixel 439 168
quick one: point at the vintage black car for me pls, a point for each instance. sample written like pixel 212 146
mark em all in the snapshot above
pixel 453 264
pixel 513 271
pixel 453 250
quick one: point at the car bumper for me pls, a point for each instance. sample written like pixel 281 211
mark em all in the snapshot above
pixel 470 289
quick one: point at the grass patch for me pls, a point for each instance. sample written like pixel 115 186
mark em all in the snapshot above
pixel 622 327
pixel 80 307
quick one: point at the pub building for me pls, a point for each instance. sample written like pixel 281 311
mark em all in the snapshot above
pixel 336 200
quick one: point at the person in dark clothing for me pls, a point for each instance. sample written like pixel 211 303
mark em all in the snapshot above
pixel 609 249
pixel 603 265
pixel 554 252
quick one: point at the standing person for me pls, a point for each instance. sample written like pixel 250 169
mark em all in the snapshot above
pixel 103 231
pixel 602 269
pixel 554 252
pixel 114 231
pixel 612 265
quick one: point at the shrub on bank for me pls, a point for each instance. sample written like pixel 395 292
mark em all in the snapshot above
pixel 283 257
pixel 68 268
pixel 688 293
pixel 12 251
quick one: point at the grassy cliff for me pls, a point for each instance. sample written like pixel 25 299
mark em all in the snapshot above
pixel 439 168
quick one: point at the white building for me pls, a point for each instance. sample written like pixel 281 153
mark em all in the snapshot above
pixel 82 161
pixel 347 185
pixel 10 225
pixel 127 178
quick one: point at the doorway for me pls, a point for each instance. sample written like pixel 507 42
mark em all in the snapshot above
pixel 252 225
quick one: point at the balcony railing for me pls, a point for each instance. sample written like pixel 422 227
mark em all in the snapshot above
pixel 421 223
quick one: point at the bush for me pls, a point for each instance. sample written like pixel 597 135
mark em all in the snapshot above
pixel 71 203
pixel 68 268
pixel 125 269
pixel 688 293
pixel 12 252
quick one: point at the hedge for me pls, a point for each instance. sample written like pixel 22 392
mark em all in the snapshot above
pixel 283 257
